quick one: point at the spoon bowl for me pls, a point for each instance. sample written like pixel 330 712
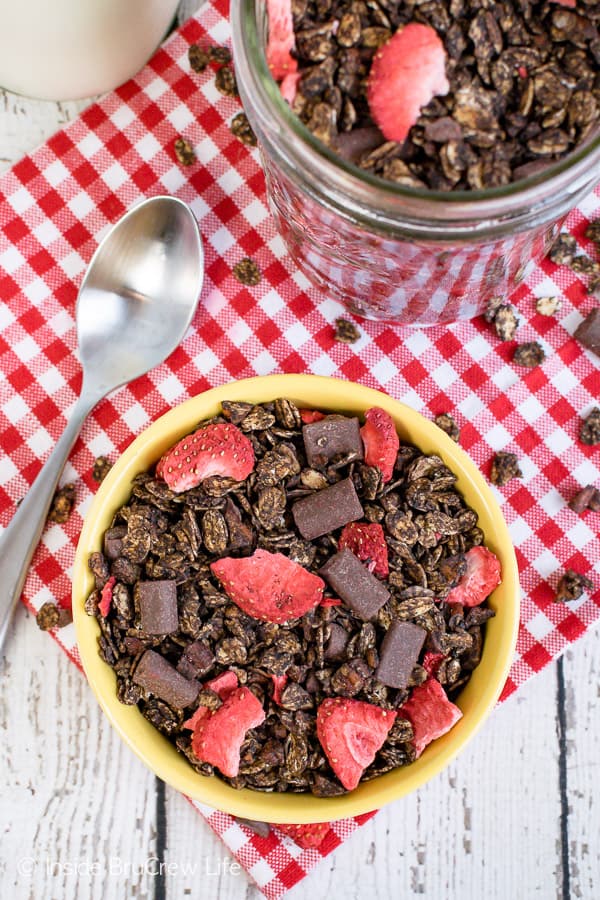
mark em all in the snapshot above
pixel 135 303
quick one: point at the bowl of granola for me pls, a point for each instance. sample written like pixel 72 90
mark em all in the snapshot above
pixel 296 599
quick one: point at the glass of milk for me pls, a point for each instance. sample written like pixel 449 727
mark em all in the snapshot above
pixel 67 49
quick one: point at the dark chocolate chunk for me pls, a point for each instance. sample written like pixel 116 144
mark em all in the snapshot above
pixel 326 510
pixel 587 498
pixel 588 332
pixel 331 436
pixel 196 660
pixel 263 829
pixel 158 606
pixel 113 541
pixel 356 586
pixel 338 638
pixel 158 676
pixel 399 653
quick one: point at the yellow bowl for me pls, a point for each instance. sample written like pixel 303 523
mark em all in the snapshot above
pixel 477 699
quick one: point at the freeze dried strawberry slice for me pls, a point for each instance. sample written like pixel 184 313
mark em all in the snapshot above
pixel 351 732
pixel 311 415
pixel 269 586
pixel 430 712
pixel 279 682
pixel 432 662
pixel 330 601
pixel 218 449
pixel 223 685
pixel 406 73
pixel 218 737
pixel 307 836
pixel 380 441
pixel 281 39
pixel 367 541
pixel 480 578
pixel 106 596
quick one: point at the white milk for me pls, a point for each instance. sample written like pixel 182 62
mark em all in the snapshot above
pixel 65 49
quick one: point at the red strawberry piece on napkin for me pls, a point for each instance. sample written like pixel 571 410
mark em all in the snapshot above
pixel 279 682
pixel 306 836
pixel 106 596
pixel 218 737
pixel 380 441
pixel 281 39
pixel 269 586
pixel 311 415
pixel 351 732
pixel 430 712
pixel 223 685
pixel 406 73
pixel 218 449
pixel 480 578
pixel 367 541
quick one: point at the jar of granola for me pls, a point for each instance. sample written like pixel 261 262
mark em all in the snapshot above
pixel 409 255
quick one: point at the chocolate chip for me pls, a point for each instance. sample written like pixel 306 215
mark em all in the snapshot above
pixel 196 660
pixel 113 541
pixel 399 653
pixel 261 828
pixel 158 677
pixel 338 638
pixel 327 510
pixel 588 332
pixel 158 606
pixel 331 436
pixel 356 586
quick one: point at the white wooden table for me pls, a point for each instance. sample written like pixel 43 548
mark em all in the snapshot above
pixel 516 817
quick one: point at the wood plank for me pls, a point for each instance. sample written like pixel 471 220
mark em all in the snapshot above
pixel 581 671
pixel 76 796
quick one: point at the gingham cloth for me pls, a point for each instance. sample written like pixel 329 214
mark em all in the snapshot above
pixel 55 205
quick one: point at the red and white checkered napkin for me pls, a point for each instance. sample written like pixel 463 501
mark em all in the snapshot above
pixel 57 203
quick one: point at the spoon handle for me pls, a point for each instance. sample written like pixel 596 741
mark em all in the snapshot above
pixel 21 536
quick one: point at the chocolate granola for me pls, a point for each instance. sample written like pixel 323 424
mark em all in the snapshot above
pixel 167 622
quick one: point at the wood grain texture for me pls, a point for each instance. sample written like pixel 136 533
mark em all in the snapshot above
pixel 515 817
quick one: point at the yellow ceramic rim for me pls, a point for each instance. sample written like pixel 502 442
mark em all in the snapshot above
pixel 476 701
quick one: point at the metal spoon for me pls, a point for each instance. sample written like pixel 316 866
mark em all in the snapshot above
pixel 135 303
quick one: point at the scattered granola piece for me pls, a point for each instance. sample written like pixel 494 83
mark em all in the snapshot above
pixel 247 272
pixel 506 322
pixel 592 232
pixel 588 331
pixel 571 586
pixel 184 152
pixel 346 332
pixel 102 466
pixel 505 466
pixel 547 306
pixel 198 58
pixel 447 424
pixel 563 250
pixel 62 504
pixel 590 428
pixel 52 616
pixel 240 127
pixel 493 305
pixel 583 265
pixel 225 82
pixel 220 55
pixel 530 354
pixel 587 498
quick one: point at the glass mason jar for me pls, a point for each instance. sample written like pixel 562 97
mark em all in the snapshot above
pixel 405 255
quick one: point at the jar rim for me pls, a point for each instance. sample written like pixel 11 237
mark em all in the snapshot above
pixel 250 59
